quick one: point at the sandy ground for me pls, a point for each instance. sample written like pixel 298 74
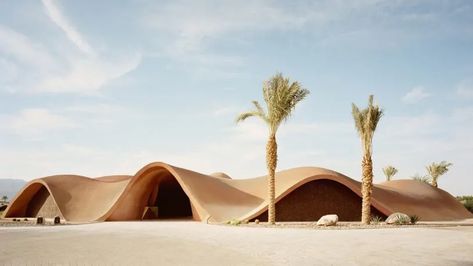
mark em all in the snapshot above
pixel 194 243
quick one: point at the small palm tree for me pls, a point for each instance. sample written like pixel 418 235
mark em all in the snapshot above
pixel 281 97
pixel 435 170
pixel 389 171
pixel 4 198
pixel 366 121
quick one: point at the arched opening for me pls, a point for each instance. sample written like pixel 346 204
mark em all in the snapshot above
pixel 33 202
pixel 171 200
pixel 314 199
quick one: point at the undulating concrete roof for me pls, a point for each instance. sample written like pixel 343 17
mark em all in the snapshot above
pixel 217 197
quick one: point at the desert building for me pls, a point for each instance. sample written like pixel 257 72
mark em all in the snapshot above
pixel 163 191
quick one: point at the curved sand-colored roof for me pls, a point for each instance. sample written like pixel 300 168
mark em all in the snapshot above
pixel 218 198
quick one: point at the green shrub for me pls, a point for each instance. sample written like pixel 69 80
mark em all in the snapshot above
pixel 376 219
pixel 469 205
pixel 234 222
pixel 467 201
pixel 414 219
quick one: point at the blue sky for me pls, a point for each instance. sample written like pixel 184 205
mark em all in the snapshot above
pixel 98 88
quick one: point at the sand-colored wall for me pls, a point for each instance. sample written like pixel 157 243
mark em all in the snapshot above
pixel 49 209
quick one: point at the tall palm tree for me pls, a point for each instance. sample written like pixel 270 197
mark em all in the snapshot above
pixel 366 121
pixel 435 170
pixel 389 171
pixel 281 97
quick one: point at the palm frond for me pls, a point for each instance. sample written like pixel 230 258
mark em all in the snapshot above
pixel 245 115
pixel 359 119
pixel 437 169
pixel 281 97
pixel 366 122
pixel 258 107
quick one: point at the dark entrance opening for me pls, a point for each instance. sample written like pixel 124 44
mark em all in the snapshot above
pixel 317 198
pixel 172 201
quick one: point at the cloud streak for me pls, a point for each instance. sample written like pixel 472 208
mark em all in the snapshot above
pixel 33 123
pixel 415 95
pixel 465 89
pixel 88 75
pixel 24 50
pixel 71 32
pixel 63 71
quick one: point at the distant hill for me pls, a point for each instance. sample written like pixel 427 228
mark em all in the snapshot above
pixel 10 187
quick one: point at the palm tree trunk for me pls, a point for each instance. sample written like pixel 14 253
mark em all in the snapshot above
pixel 366 189
pixel 434 182
pixel 271 163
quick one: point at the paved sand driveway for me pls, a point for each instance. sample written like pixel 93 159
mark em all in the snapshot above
pixel 192 243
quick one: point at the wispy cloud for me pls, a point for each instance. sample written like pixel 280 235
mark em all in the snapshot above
pixel 82 71
pixel 415 95
pixel 192 22
pixel 71 32
pixel 34 122
pixel 88 75
pixel 95 109
pixel 229 110
pixel 465 89
pixel 24 50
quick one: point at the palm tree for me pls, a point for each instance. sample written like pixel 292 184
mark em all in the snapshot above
pixel 281 97
pixel 389 171
pixel 435 170
pixel 4 198
pixel 366 121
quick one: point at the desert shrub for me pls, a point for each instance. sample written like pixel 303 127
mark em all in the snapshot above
pixel 467 201
pixel 469 205
pixel 376 219
pixel 414 219
pixel 421 178
pixel 401 219
pixel 234 222
pixel 468 198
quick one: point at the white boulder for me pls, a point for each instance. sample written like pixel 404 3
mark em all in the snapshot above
pixel 398 218
pixel 328 220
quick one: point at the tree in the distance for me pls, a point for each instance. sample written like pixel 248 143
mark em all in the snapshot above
pixel 389 171
pixel 435 170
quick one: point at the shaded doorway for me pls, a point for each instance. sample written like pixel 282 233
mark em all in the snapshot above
pixel 172 201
